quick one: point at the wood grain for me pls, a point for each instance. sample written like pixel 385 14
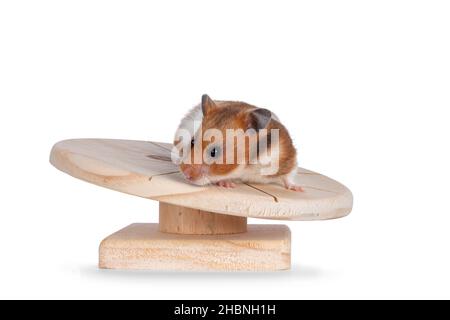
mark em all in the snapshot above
pixel 142 246
pixel 182 220
pixel 142 168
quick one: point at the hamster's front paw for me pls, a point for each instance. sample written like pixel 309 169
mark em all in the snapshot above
pixel 226 184
pixel 290 185
pixel 294 187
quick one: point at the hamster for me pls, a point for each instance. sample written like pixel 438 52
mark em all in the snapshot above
pixel 264 154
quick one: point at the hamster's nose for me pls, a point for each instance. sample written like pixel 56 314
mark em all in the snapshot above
pixel 187 172
pixel 192 172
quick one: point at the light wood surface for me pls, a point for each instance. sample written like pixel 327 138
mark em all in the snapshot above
pixel 142 246
pixel 144 169
pixel 182 220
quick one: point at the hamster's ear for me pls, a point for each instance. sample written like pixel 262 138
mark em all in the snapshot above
pixel 259 118
pixel 207 104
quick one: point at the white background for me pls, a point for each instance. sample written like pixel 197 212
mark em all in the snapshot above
pixel 363 86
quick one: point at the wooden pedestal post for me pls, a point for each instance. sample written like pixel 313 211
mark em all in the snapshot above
pixel 182 220
pixel 194 240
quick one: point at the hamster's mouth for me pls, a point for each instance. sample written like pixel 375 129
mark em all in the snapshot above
pixel 196 175
pixel 202 181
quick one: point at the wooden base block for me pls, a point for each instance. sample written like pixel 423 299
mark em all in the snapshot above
pixel 143 246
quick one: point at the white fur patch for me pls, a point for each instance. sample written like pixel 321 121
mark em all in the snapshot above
pixel 190 123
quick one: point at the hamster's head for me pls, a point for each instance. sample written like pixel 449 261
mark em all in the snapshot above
pixel 213 153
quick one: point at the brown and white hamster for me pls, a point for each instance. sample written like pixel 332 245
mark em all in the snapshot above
pixel 272 161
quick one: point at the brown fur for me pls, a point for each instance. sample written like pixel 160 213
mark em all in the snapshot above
pixel 225 115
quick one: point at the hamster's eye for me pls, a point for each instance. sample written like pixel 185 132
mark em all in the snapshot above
pixel 192 142
pixel 214 152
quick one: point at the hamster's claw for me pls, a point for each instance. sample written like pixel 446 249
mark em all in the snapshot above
pixel 226 184
pixel 294 187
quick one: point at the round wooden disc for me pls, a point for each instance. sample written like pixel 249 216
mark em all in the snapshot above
pixel 144 169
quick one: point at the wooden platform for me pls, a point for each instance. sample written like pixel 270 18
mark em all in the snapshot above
pixel 143 246
pixel 144 169
pixel 201 228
